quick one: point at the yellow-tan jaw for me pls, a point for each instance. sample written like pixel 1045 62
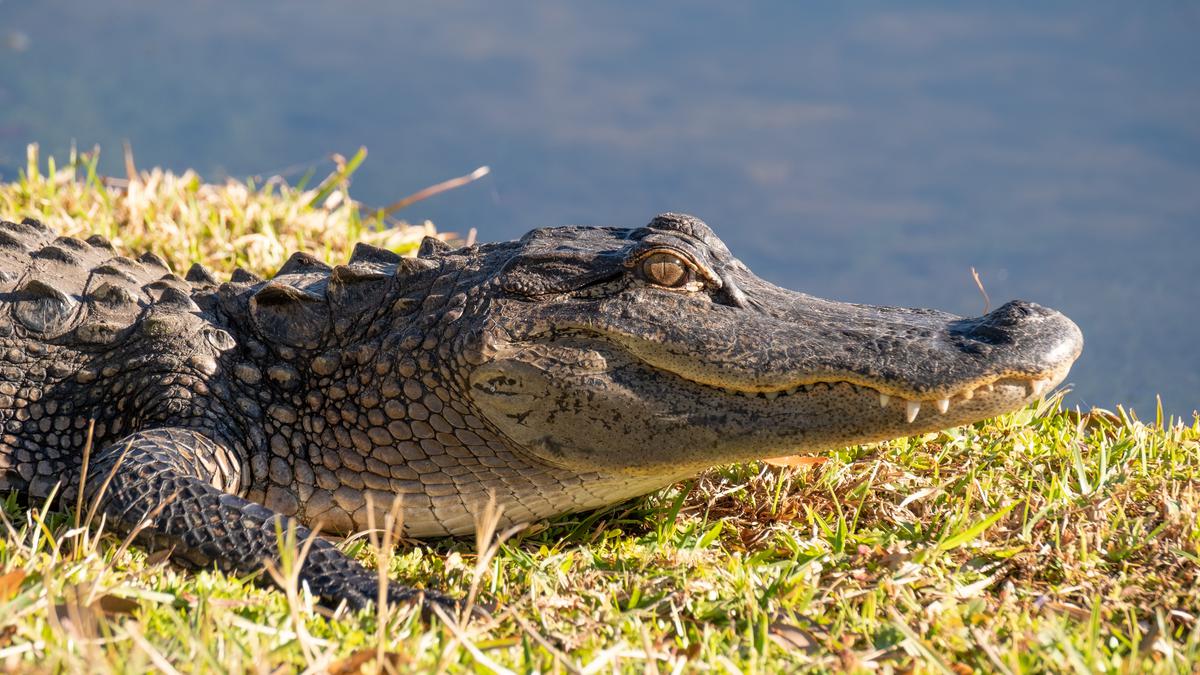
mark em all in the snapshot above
pixel 909 404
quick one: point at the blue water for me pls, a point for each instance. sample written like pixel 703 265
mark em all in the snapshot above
pixel 871 154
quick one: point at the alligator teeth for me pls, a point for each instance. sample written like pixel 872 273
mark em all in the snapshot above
pixel 771 395
pixel 1036 386
pixel 942 405
pixel 968 395
pixel 884 399
pixel 791 391
pixel 911 408
pixel 988 387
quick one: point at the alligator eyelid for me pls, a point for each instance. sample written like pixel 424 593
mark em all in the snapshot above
pixel 641 255
pixel 709 279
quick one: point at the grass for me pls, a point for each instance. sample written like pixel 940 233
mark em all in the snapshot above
pixel 252 224
pixel 1043 540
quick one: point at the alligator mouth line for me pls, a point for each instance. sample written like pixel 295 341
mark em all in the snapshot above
pixel 1033 385
pixel 911 403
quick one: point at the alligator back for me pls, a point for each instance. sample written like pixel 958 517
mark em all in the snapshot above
pixel 81 328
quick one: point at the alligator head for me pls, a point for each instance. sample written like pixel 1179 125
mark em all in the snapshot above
pixel 655 351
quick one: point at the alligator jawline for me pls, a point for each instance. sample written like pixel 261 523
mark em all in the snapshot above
pixel 1033 385
pixel 911 402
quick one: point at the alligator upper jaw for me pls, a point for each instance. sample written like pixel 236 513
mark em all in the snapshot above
pixel 985 393
pixel 803 374
pixel 918 358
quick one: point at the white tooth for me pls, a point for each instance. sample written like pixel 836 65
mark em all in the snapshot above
pixel 771 395
pixel 1036 386
pixel 968 395
pixel 943 405
pixel 911 408
pixel 884 399
pixel 792 390
pixel 989 387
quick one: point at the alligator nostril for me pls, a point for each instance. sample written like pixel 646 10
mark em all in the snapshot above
pixel 993 328
pixel 1018 310
pixel 1003 325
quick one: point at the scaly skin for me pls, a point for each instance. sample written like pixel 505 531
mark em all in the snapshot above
pixel 568 370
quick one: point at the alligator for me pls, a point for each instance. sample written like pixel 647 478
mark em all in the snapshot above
pixel 565 371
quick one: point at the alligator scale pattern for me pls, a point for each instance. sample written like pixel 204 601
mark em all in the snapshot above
pixel 568 370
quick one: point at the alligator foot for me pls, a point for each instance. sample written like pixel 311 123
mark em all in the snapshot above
pixel 357 588
pixel 161 480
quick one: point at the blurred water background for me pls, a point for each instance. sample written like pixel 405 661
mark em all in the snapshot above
pixel 869 153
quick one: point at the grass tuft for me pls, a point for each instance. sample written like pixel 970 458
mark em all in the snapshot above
pixel 252 224
pixel 1043 540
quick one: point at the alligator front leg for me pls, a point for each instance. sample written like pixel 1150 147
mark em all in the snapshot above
pixel 161 477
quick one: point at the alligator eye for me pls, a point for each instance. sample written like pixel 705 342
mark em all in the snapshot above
pixel 666 269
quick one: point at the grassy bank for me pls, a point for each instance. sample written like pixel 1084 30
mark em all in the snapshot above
pixel 1040 540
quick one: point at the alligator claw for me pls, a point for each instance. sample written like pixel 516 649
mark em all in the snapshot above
pixel 398 595
pixel 452 608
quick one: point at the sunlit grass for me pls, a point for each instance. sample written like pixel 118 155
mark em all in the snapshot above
pixel 256 225
pixel 1043 540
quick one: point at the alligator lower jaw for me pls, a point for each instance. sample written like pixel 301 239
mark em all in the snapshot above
pixel 910 404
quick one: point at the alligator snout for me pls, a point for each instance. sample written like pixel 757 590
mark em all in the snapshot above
pixel 1044 335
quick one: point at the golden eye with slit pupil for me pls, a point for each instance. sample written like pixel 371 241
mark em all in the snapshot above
pixel 666 270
